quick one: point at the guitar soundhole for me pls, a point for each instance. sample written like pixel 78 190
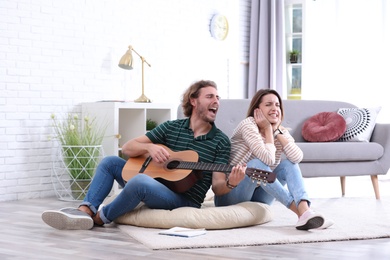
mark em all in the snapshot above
pixel 173 165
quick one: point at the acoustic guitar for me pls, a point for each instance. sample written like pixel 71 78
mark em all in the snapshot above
pixel 182 170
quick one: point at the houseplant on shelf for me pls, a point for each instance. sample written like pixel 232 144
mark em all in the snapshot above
pixel 80 151
pixel 294 54
pixel 150 124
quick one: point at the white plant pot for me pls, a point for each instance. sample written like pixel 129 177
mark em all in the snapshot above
pixel 73 170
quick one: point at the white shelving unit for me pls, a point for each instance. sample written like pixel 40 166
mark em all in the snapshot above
pixel 125 120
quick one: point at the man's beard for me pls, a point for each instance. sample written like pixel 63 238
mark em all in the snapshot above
pixel 203 115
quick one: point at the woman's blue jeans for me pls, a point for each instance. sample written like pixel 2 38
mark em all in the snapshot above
pixel 140 188
pixel 247 190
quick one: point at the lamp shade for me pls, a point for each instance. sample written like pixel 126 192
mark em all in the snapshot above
pixel 126 62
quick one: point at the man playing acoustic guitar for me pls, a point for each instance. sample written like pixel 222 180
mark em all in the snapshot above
pixel 197 133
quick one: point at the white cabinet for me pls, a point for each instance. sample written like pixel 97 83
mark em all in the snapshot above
pixel 126 120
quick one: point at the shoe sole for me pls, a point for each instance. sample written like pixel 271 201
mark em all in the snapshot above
pixel 312 223
pixel 62 221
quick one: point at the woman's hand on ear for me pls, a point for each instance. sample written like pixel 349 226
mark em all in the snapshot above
pixel 260 119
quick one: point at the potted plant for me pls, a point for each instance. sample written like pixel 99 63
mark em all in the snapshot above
pixel 150 124
pixel 80 151
pixel 294 55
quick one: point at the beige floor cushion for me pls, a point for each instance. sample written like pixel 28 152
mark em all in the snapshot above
pixel 208 217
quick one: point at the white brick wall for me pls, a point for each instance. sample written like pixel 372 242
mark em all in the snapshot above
pixel 56 54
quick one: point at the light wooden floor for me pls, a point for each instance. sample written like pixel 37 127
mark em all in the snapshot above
pixel 23 235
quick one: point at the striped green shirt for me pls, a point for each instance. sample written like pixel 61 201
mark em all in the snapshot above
pixel 214 147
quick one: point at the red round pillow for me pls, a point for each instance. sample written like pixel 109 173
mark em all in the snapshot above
pixel 324 127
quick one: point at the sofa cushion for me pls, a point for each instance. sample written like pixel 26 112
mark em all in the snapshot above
pixel 324 127
pixel 360 123
pixel 298 111
pixel 340 151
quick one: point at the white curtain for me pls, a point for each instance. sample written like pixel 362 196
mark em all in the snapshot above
pixel 347 53
pixel 267 59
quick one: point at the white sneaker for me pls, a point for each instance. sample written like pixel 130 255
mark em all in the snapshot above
pixel 327 223
pixel 310 220
pixel 67 218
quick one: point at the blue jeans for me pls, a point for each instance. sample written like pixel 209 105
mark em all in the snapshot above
pixel 247 190
pixel 140 188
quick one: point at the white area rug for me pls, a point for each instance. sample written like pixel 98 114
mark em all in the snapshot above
pixel 355 218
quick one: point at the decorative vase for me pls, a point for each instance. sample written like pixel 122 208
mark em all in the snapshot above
pixel 73 170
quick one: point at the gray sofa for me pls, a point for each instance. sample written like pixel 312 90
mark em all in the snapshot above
pixel 325 159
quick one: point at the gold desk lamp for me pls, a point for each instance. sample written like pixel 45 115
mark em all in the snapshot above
pixel 126 62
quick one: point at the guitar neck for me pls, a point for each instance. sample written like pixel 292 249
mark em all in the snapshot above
pixel 254 174
pixel 202 166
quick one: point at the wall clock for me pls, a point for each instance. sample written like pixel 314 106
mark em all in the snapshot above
pixel 219 27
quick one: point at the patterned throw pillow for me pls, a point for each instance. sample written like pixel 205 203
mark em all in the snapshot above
pixel 360 123
pixel 323 127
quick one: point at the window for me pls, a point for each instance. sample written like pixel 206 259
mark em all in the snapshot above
pixel 294 50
